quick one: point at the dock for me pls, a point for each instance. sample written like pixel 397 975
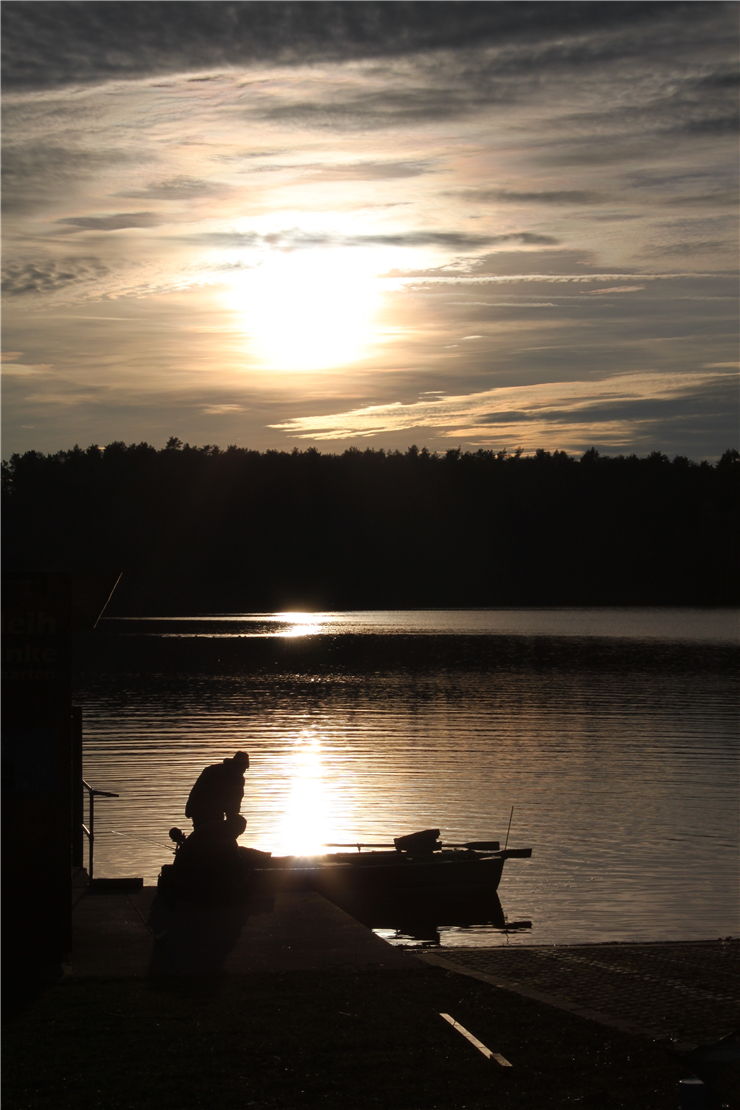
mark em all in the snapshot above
pixel 134 935
pixel 290 1002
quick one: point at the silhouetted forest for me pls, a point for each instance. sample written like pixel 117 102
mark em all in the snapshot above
pixel 197 529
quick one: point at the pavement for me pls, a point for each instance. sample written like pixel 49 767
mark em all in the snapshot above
pixel 686 993
pixel 289 1002
pixel 135 935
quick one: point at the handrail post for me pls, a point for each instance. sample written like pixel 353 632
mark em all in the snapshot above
pixel 91 839
pixel 89 831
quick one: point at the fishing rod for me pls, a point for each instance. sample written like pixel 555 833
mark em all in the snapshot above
pixel 506 842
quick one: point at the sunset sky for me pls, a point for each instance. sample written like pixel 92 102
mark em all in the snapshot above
pixel 284 225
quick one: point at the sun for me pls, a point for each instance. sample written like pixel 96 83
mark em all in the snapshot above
pixel 309 309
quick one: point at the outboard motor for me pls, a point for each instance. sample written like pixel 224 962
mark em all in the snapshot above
pixel 418 844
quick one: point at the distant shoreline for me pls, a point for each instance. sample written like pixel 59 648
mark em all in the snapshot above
pixel 108 651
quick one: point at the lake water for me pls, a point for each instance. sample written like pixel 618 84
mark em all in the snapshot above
pixel 612 734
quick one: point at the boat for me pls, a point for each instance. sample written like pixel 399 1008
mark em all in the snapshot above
pixel 418 863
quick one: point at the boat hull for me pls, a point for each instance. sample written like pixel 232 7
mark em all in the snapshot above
pixel 342 878
pixel 405 876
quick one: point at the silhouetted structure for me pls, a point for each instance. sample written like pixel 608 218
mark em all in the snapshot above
pixel 42 763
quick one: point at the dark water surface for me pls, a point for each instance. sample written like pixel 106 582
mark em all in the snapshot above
pixel 612 733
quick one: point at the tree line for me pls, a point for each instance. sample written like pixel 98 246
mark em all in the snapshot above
pixel 197 529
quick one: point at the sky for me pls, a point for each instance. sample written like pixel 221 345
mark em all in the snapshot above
pixel 332 225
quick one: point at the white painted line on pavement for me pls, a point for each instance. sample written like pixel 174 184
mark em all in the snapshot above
pixel 484 1049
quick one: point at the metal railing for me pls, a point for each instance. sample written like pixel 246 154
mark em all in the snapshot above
pixel 89 829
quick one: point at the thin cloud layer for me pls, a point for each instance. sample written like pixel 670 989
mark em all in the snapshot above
pixel 559 411
pixel 509 224
pixel 115 222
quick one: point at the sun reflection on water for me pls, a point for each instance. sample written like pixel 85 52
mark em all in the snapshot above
pixel 300 624
pixel 303 828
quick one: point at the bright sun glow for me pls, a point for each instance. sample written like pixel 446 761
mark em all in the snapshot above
pixel 300 624
pixel 310 309
pixel 304 824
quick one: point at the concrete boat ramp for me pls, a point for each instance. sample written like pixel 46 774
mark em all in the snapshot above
pixel 137 934
pixel 687 993
pixel 290 1002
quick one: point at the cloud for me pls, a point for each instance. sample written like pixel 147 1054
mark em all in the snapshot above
pixel 176 188
pixel 617 289
pixel 532 163
pixel 543 196
pixel 626 399
pixel 14 369
pixel 633 128
pixel 725 123
pixel 115 222
pixel 51 43
pixel 375 109
pixel 50 276
pixel 693 246
pixel 453 240
pixel 548 267
pixel 63 398
pixel 34 171
pixel 718 198
pixel 531 277
pixel 679 107
pixel 222 410
pixel 369 171
pixel 296 238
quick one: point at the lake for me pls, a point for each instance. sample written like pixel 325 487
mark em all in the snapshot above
pixel 612 735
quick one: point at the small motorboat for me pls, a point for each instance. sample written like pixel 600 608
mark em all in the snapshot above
pixel 418 862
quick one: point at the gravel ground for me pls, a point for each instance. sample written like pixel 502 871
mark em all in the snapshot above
pixel 689 993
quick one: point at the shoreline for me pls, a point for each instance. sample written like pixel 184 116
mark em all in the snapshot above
pixel 106 652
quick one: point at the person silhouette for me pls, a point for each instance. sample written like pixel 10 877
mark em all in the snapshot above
pixel 218 791
pixel 212 846
pixel 210 868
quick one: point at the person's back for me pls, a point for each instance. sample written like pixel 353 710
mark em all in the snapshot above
pixel 205 802
pixel 218 791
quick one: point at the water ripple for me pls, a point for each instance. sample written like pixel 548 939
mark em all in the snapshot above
pixel 625 784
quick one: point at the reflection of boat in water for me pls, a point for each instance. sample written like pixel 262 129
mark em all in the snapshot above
pixel 419 915
pixel 374 879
